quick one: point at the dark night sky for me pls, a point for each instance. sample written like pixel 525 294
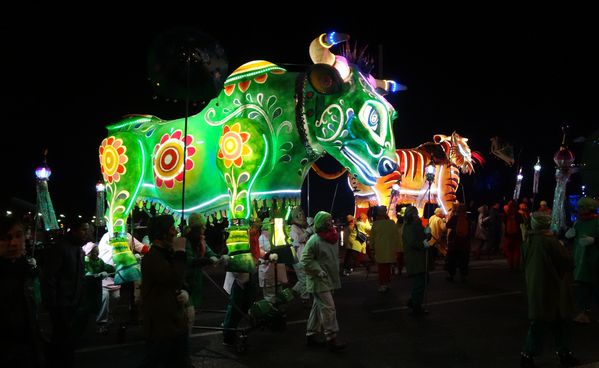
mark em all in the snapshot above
pixel 517 76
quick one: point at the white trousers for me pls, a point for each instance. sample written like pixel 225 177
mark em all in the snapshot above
pixel 323 316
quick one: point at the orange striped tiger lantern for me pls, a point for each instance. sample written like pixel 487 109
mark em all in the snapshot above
pixel 450 156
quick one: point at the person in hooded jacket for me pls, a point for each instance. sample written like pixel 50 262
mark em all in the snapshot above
pixel 415 248
pixel 585 233
pixel 547 271
pixel 320 260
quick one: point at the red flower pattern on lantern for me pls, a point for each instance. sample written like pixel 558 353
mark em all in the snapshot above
pixel 232 145
pixel 112 159
pixel 168 158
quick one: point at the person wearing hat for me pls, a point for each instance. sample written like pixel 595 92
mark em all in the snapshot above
pixel 385 244
pixel 98 296
pixel 266 269
pixel 198 254
pixel 543 207
pixel 546 265
pixel 320 260
pixel 299 236
pixel 585 233
pixel 415 248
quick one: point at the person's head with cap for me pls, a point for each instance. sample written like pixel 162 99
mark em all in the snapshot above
pixel 543 204
pixel 91 250
pixel 438 211
pixel 540 221
pixel 195 228
pixel 196 219
pixel 349 218
pixel 162 230
pixel 323 221
pixel 587 205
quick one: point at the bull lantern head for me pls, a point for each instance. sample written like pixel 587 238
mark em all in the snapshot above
pixel 345 113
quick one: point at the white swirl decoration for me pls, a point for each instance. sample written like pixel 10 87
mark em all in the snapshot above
pixel 331 123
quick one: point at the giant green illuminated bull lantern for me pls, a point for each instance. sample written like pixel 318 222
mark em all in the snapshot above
pixel 256 140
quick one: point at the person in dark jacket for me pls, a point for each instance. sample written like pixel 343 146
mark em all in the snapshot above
pixel 547 270
pixel 163 298
pixel 458 243
pixel 20 342
pixel 62 291
pixel 415 248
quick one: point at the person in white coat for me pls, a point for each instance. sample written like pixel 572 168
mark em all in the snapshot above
pixel 299 236
pixel 266 269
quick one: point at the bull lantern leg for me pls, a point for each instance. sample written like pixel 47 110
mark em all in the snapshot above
pixel 243 153
pixel 119 155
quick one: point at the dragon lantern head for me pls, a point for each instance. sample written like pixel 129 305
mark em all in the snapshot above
pixel 459 152
pixel 346 115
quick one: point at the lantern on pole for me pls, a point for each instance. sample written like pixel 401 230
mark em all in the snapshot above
pixel 535 181
pixel 519 178
pixel 429 208
pixel 563 158
pixel 43 202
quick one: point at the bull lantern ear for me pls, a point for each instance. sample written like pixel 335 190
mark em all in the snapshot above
pixel 325 79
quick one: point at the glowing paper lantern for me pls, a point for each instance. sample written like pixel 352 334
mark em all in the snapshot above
pixel 255 141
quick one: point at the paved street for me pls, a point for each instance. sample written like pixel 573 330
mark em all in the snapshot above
pixel 478 323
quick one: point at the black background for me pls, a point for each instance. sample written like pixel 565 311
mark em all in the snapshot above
pixel 482 72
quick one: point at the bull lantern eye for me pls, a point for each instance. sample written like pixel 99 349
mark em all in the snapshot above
pixel 370 116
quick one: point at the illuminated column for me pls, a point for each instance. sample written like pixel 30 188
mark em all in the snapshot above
pixel 535 182
pixel 100 207
pixel 430 177
pixel 563 159
pixel 44 203
pixel 519 178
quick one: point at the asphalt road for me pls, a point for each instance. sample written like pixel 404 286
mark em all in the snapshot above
pixel 478 323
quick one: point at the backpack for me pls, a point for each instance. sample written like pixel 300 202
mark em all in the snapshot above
pixel 462 228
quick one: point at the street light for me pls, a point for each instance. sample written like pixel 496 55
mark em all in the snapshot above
pixel 393 197
pixel 535 181
pixel 428 209
pixel 519 178
pixel 430 177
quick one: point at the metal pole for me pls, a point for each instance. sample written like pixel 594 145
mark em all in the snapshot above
pixel 308 197
pixel 187 72
pixel 334 196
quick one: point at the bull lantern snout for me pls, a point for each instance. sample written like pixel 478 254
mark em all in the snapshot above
pixel 386 166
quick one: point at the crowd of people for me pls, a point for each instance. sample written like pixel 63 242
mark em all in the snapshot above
pixel 72 283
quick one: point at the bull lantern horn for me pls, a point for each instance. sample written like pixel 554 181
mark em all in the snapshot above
pixel 390 86
pixel 320 53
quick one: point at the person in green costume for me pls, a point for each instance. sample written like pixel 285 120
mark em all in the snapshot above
pixel 547 267
pixel 585 233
